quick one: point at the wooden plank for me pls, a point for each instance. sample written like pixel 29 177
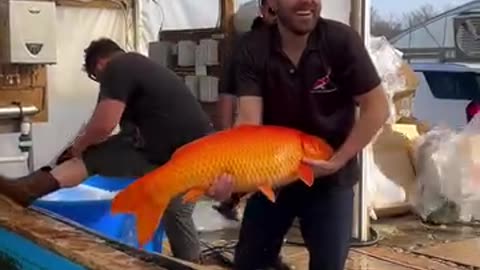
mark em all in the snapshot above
pixel 227 13
pixel 298 257
pixel 355 16
pixel 462 252
pixel 404 258
pixel 32 89
pixel 106 4
pixel 67 241
pixel 356 261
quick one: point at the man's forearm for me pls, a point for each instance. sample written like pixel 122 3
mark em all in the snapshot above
pixel 249 111
pixel 365 128
pixel 90 136
pixel 105 118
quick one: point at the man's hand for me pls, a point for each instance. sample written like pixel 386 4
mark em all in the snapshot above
pixel 105 118
pixel 222 188
pixel 324 167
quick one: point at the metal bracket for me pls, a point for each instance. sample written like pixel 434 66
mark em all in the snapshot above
pixel 15 118
pixel 14 159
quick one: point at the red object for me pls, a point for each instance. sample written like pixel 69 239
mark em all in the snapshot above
pixel 472 109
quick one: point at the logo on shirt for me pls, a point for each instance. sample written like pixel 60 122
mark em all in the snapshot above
pixel 323 85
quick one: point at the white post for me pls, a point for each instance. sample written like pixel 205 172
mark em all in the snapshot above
pixel 361 219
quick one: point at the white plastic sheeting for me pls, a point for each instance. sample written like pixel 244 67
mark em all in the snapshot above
pixel 193 14
pixel 156 15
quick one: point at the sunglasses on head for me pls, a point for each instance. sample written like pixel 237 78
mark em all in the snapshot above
pixel 92 77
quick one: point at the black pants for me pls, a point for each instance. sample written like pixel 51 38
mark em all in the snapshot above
pixel 325 215
pixel 118 156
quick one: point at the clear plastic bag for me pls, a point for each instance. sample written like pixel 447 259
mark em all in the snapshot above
pixel 388 62
pixel 448 174
pixel 428 197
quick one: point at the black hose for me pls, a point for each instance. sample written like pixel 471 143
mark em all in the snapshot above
pixel 224 252
pixel 374 238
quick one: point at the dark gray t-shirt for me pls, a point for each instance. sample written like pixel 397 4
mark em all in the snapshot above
pixel 158 103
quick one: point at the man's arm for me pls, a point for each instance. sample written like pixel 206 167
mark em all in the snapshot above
pixel 249 110
pixel 227 101
pixel 225 108
pixel 248 82
pixel 374 113
pixel 360 77
pixel 105 118
pixel 115 89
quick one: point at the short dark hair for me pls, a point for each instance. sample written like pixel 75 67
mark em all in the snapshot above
pixel 100 48
pixel 257 23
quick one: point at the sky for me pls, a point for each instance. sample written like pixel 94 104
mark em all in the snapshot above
pixel 398 7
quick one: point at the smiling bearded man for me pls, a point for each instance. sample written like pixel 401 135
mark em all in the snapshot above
pixel 307 73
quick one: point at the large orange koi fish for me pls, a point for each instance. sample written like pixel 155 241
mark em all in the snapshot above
pixel 258 157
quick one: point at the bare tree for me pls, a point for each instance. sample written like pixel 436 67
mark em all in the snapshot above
pixel 380 26
pixel 420 15
pixel 391 26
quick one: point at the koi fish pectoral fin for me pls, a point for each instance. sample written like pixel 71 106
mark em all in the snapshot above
pixel 193 195
pixel 305 174
pixel 268 192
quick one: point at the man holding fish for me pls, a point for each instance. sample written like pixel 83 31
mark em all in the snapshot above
pixel 310 74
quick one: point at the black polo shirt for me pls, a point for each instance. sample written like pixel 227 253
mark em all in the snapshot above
pixel 317 95
pixel 157 102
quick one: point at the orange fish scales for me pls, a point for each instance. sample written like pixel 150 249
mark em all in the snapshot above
pixel 258 157
pixel 253 157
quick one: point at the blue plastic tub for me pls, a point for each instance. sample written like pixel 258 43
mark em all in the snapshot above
pixel 89 205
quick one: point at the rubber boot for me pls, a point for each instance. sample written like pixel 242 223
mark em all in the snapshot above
pixel 25 190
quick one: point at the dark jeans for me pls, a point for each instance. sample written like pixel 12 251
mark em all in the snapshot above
pixel 325 215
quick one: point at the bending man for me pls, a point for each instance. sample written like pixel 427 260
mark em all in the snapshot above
pixel 157 114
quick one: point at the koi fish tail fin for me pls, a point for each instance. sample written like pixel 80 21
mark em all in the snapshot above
pixel 137 199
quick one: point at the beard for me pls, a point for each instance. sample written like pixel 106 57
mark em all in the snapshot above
pixel 298 25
